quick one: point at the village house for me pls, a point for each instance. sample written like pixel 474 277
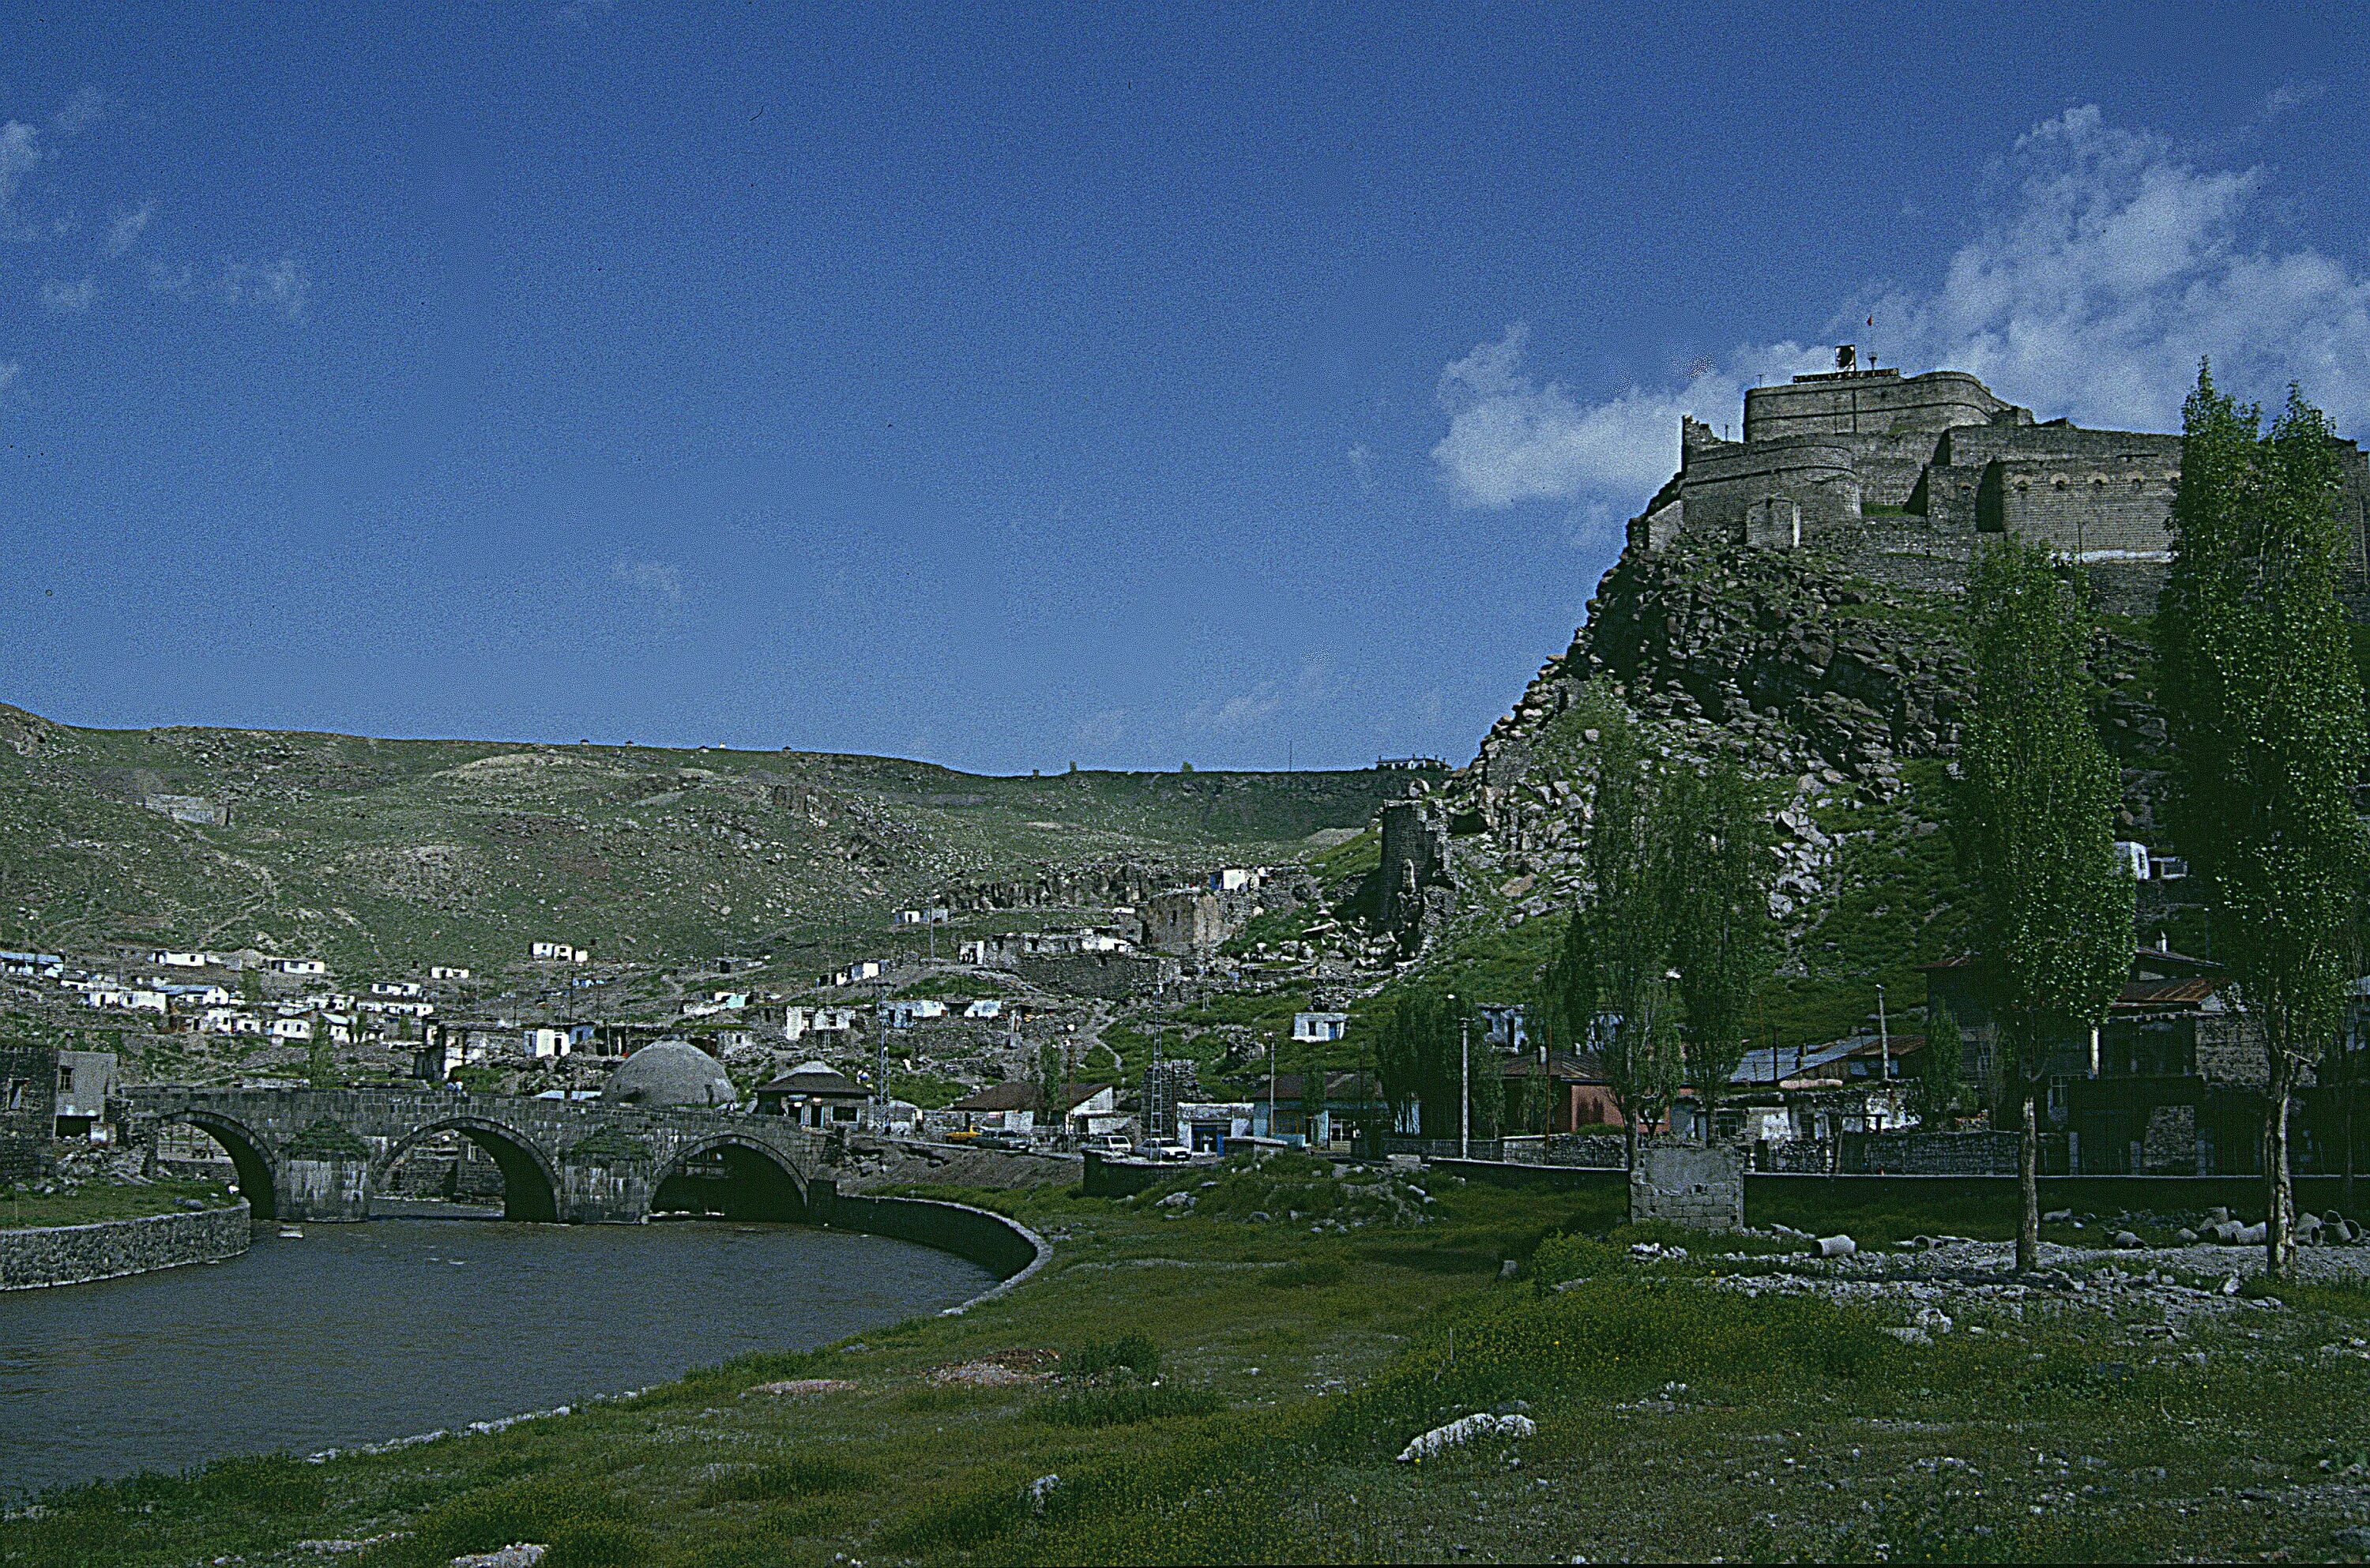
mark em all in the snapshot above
pixel 985 1007
pixel 84 1080
pixel 1348 1101
pixel 813 1094
pixel 558 952
pixel 1317 1028
pixel 446 972
pixel 904 1012
pixel 292 1030
pixel 542 1044
pixel 297 966
pixel 33 965
pixel 1019 1108
pixel 172 958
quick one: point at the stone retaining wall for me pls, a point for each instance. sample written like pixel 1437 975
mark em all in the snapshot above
pixel 1006 1248
pixel 72 1254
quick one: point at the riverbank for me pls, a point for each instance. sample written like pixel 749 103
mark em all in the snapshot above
pixel 88 1203
pixel 1185 1382
pixel 36 1257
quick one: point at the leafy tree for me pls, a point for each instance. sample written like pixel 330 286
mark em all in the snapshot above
pixel 1715 836
pixel 320 1060
pixel 1940 1071
pixel 1416 1050
pixel 2054 919
pixel 2263 702
pixel 1611 982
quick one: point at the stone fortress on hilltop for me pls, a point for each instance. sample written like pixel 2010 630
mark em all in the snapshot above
pixel 1901 475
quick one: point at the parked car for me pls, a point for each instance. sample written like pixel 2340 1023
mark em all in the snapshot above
pixel 1166 1152
pixel 1110 1145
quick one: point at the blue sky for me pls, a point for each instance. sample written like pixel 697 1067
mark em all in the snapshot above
pixel 1009 390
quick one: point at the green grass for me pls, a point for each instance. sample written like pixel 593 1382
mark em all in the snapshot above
pixel 96 1200
pixel 1268 1380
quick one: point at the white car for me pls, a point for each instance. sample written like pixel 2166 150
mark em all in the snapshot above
pixel 1166 1152
pixel 1110 1145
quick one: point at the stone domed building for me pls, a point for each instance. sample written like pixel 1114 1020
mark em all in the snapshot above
pixel 671 1072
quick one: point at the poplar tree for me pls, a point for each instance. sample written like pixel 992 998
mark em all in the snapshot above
pixel 2054 920
pixel 1612 978
pixel 1716 870
pixel 2264 703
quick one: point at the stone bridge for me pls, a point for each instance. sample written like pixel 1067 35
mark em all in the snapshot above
pixel 320 1154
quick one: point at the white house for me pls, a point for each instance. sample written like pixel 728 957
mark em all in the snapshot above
pixel 394 988
pixel 1232 879
pixel 292 1028
pixel 858 973
pixel 985 1007
pixel 904 1012
pixel 172 958
pixel 298 966
pixel 131 998
pixel 228 1020
pixel 542 1043
pixel 446 972
pixel 833 1020
pixel 1319 1027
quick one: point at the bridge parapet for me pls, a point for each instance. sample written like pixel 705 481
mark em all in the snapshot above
pixel 321 1154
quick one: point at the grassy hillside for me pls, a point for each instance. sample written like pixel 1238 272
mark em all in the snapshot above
pixel 387 853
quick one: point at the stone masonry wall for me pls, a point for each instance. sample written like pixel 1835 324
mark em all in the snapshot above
pixel 1702 1188
pixel 70 1254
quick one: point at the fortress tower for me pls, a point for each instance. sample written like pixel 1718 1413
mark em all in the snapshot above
pixel 1901 474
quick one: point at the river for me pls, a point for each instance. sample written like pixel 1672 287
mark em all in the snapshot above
pixel 358 1333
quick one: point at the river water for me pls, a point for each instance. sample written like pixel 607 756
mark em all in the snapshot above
pixel 358 1333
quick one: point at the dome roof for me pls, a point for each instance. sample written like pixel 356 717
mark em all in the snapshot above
pixel 671 1072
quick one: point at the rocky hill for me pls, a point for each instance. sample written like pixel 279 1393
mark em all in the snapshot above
pixel 385 854
pixel 1842 691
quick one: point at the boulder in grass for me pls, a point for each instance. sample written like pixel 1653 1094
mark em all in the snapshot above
pixel 1838 1246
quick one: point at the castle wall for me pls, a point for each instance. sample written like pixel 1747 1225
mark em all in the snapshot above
pixel 1870 403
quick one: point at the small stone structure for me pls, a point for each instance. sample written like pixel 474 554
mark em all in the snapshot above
pixel 29 1092
pixel 1417 891
pixel 70 1254
pixel 1691 1184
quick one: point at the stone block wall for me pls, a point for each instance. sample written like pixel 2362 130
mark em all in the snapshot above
pixel 70 1254
pixel 1929 1154
pixel 1691 1184
pixel 1114 975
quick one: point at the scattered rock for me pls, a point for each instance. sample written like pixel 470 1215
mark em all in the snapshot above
pixel 1838 1246
pixel 1509 1269
pixel 795 1386
pixel 1463 1429
pixel 1040 1492
pixel 518 1554
pixel 2056 1216
pixel 1005 1368
pixel 2128 1241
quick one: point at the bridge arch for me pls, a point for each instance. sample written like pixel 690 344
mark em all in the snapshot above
pixel 730 1176
pixel 530 1184
pixel 248 1151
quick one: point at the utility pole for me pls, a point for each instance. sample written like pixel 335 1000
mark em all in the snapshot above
pixel 1465 1091
pixel 1883 1035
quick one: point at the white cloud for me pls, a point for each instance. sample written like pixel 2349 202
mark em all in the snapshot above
pixel 82 111
pixel 1361 464
pixel 124 230
pixel 69 299
pixel 2105 265
pixel 9 371
pixel 650 577
pixel 1311 688
pixel 20 154
pixel 283 286
pixel 2292 95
